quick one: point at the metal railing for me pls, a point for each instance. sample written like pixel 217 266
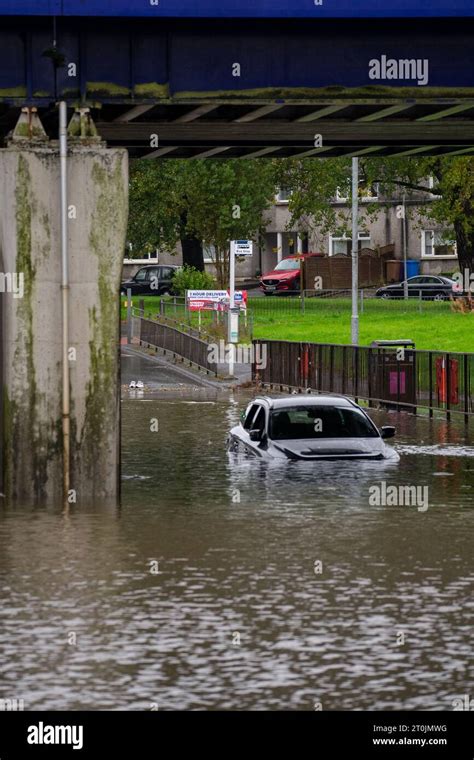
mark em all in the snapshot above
pixel 403 379
pixel 182 342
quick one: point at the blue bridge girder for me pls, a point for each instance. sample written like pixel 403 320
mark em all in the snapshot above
pixel 241 8
pixel 199 84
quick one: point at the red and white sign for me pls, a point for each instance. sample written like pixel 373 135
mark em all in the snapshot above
pixel 214 300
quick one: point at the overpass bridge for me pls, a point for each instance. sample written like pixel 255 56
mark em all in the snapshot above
pixel 174 79
pixel 243 79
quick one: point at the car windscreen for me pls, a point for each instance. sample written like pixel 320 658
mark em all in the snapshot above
pixel 287 265
pixel 319 422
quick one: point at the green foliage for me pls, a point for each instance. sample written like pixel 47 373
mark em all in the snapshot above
pixel 214 201
pixel 314 184
pixel 189 278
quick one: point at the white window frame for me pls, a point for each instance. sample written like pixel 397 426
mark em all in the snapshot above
pixel 431 184
pixel 362 199
pixel 433 256
pixel 283 201
pixel 336 238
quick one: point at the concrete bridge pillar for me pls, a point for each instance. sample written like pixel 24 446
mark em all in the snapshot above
pixel 31 324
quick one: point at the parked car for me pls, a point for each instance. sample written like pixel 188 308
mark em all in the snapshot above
pixel 286 277
pixel 431 287
pixel 311 428
pixel 151 280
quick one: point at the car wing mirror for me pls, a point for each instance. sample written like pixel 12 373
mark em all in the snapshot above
pixel 387 431
pixel 255 435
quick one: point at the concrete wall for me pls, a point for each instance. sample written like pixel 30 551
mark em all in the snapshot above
pixel 32 361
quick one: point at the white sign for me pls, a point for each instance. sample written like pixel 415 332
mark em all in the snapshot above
pixel 214 300
pixel 242 247
pixel 214 295
pixel 207 300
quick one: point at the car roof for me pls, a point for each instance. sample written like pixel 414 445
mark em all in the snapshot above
pixel 281 402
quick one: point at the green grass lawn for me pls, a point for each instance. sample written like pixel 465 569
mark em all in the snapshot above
pixel 436 327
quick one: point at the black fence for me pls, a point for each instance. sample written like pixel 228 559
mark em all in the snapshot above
pixel 398 378
pixel 180 342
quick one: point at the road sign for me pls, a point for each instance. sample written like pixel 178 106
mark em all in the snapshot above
pixel 242 247
pixel 207 300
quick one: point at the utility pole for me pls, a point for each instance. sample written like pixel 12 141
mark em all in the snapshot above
pixel 404 244
pixel 355 252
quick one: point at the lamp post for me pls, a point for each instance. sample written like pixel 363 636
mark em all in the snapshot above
pixel 355 252
pixel 404 244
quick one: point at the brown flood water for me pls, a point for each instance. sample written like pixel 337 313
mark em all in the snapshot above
pixel 201 590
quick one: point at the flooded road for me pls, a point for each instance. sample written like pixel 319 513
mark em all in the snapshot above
pixel 223 584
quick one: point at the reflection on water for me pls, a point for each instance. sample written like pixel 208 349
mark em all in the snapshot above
pixel 202 590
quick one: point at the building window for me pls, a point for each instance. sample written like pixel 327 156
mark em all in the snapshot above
pixel 344 244
pixel 209 254
pixel 435 243
pixel 432 184
pixel 283 195
pixel 367 193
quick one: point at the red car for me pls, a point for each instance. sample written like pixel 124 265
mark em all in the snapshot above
pixel 285 278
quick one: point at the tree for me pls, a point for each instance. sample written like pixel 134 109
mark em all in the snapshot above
pixel 452 194
pixel 158 210
pixel 200 202
pixel 314 184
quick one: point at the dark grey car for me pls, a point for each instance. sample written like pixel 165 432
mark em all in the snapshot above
pixel 151 280
pixel 429 287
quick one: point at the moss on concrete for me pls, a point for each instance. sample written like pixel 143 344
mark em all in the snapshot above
pixel 30 441
pixel 12 92
pixel 106 89
pixel 315 93
pixel 101 401
pixel 152 90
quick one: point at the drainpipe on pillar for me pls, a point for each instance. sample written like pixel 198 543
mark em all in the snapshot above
pixel 65 301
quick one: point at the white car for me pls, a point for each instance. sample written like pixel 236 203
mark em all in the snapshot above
pixel 310 428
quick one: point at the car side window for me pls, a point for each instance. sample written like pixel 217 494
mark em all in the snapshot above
pixel 166 273
pixel 251 412
pixel 259 420
pixel 141 275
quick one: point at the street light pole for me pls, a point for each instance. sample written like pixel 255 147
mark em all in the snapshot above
pixel 355 252
pixel 404 243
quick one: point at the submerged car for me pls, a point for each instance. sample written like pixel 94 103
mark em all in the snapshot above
pixel 310 428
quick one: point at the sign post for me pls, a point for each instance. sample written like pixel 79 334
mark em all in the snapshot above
pixel 355 252
pixel 237 248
